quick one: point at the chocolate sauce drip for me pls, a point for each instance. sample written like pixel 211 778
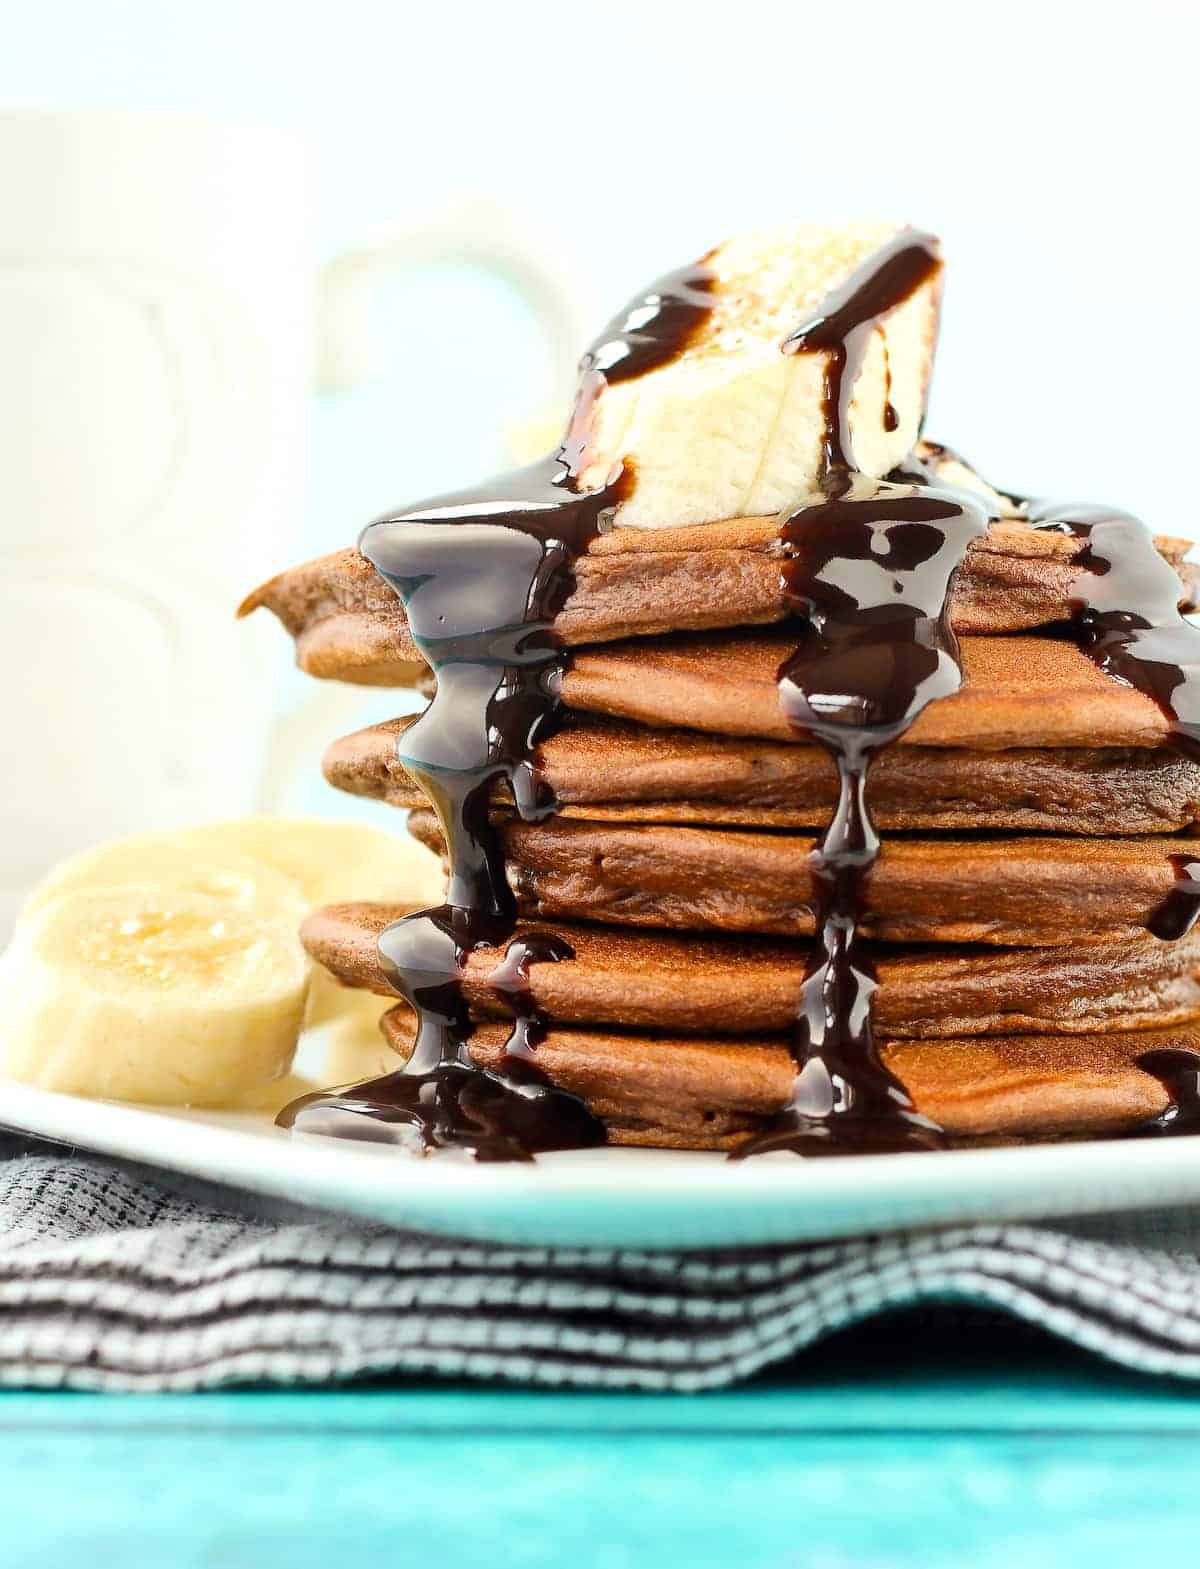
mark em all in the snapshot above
pixel 1127 613
pixel 871 580
pixel 1176 915
pixel 1178 1071
pixel 510 979
pixel 843 331
pixel 920 467
pixel 891 420
pixel 482 575
pixel 654 328
pixel 1127 620
pixel 868 575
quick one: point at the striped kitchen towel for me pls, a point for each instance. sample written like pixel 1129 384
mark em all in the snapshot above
pixel 109 1280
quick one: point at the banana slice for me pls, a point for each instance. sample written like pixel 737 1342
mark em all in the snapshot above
pixel 276 865
pixel 177 861
pixel 956 472
pixel 733 427
pixel 289 864
pixel 169 997
pixel 269 870
pixel 330 861
pixel 273 1097
pixel 354 1047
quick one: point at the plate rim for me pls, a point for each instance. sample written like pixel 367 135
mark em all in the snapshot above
pixel 623 1197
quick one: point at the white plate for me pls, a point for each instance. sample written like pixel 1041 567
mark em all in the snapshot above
pixel 623 1198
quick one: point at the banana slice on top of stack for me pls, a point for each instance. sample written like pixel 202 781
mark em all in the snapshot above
pixel 167 968
pixel 733 428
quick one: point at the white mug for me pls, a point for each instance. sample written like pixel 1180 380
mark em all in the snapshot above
pixel 161 323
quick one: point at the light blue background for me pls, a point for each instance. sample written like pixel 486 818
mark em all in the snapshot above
pixel 1052 146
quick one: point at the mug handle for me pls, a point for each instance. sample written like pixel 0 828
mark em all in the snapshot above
pixel 478 232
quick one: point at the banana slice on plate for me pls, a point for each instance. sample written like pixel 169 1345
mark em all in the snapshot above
pixel 331 861
pixel 167 967
pixel 178 861
pixel 354 1047
pixel 289 863
pixel 160 995
pixel 282 865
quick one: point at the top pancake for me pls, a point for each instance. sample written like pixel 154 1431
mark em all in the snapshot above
pixel 350 626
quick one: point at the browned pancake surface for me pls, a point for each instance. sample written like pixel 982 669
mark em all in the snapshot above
pixel 1017 692
pixel 746 987
pixel 1020 892
pixel 708 1094
pixel 679 1040
pixel 349 626
pixel 610 771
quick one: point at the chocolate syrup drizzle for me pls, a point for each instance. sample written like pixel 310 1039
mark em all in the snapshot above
pixel 482 574
pixel 510 979
pixel 872 581
pixel 1127 619
pixel 869 573
pixel 1126 611
pixel 842 331
pixel 1178 1071
pixel 1176 915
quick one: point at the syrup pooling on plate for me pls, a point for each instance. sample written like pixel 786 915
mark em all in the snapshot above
pixel 482 575
pixel 868 573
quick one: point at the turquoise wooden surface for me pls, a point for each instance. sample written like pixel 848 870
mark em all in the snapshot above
pixel 1046 1461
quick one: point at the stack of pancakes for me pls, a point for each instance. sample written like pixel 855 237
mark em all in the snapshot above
pixel 1033 825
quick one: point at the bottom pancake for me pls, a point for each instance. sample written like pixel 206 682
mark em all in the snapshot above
pixel 687 1093
pixel 748 986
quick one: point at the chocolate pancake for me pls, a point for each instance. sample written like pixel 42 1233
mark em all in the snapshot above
pixel 1017 892
pixel 688 1093
pixel 349 626
pixel 1017 692
pixel 744 987
pixel 605 770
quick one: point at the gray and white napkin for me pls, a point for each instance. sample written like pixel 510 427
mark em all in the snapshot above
pixel 110 1281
